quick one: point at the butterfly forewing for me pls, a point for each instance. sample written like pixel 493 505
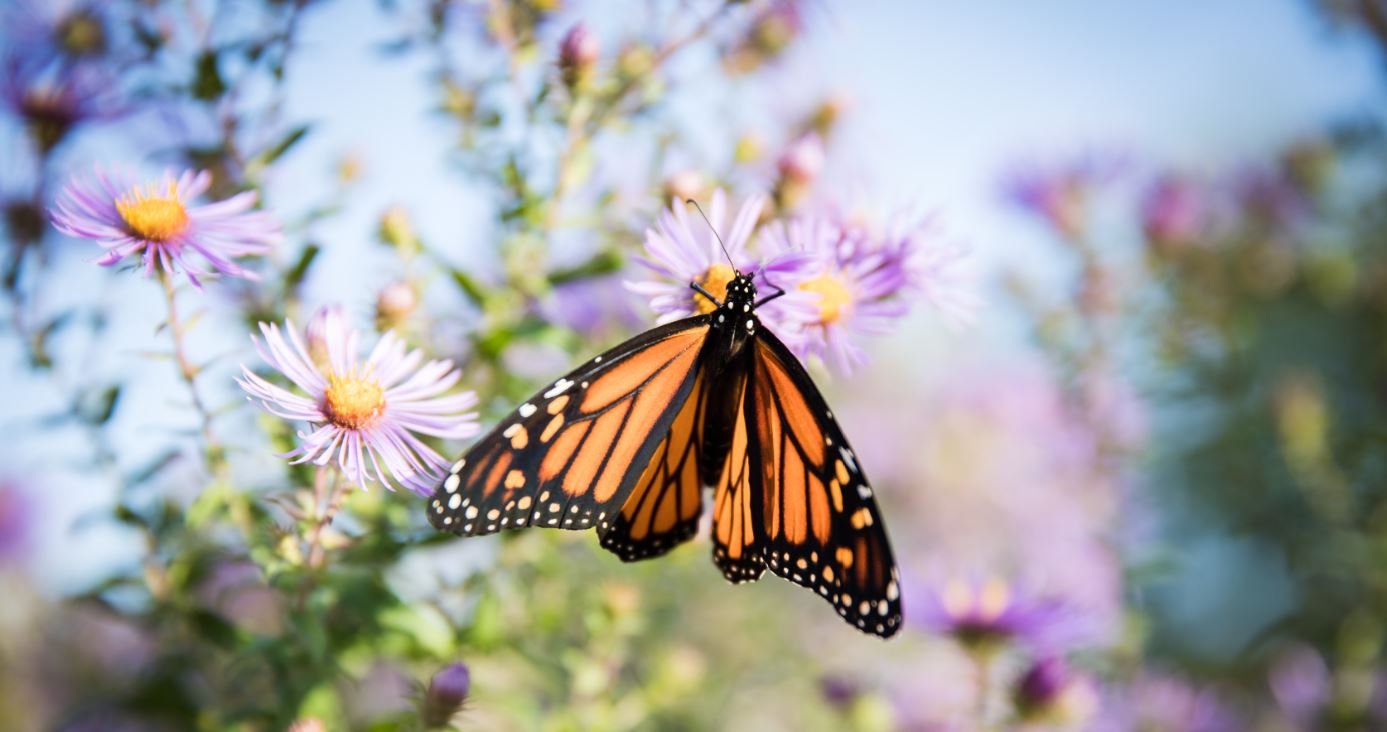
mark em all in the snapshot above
pixel 569 456
pixel 663 508
pixel 822 527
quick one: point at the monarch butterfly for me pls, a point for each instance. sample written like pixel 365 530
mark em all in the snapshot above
pixel 629 441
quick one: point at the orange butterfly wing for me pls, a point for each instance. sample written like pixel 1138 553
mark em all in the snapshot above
pixel 570 455
pixel 821 525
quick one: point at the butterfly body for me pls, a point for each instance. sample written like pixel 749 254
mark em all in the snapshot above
pixel 632 441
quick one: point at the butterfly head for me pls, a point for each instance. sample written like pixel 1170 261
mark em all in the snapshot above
pixel 741 291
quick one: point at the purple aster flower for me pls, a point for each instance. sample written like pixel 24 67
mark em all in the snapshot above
pixel 1161 702
pixel 364 414
pixel 985 615
pixel 1059 193
pixel 52 99
pixel 1301 683
pixel 683 249
pixel 860 283
pixel 155 222
pixel 1174 214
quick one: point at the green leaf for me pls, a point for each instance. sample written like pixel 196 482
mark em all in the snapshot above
pixel 274 152
pixel 604 262
pixel 294 277
pixel 469 286
pixel 207 83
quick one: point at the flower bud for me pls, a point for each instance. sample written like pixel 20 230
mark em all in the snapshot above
pixel 1173 215
pixel 397 230
pixel 1050 693
pixel 81 34
pixel 308 724
pixel 686 185
pixel 394 303
pixel 803 159
pixel 447 691
pixel 578 53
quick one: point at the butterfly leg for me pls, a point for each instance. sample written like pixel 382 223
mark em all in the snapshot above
pixel 778 292
pixel 699 289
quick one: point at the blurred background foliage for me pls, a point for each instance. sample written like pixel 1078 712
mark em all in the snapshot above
pixel 1161 508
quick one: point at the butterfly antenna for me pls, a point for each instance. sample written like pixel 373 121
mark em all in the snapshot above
pixel 713 229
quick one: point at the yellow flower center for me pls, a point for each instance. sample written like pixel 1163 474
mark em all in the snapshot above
pixel 715 281
pixel 353 402
pixel 151 216
pixel 834 296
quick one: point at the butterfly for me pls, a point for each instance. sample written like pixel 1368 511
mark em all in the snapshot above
pixel 630 441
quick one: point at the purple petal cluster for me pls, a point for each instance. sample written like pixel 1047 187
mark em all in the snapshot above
pixel 365 416
pixel 842 280
pixel 155 223
pixel 988 614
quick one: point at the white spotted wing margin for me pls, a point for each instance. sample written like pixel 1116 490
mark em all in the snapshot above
pixel 569 456
pixel 822 527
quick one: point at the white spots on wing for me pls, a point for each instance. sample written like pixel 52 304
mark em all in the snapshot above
pixel 493 514
pixel 864 491
pixel 554 507
pixel 457 466
pixel 452 483
pixel 471 512
pixel 560 387
pixel 893 590
pixel 511 430
pixel 455 501
pixel 847 458
pixel 438 507
pixel 447 520
pixel 721 318
pixel 882 607
pixel 751 325
pixel 526 409
pixel 864 608
pixel 597 360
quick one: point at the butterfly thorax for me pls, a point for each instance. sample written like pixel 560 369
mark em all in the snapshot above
pixel 734 322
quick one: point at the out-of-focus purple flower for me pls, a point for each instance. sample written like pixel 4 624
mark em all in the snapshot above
pixel 53 99
pixel 447 691
pixel 1049 692
pixel 364 414
pixel 683 249
pixel 45 28
pixel 592 306
pixel 155 222
pixel 803 159
pixel 1158 702
pixel 1059 193
pixel 1272 196
pixel 1175 214
pixel 839 691
pixel 578 54
pixel 986 615
pixel 239 592
pixel 1302 686
pixel 14 523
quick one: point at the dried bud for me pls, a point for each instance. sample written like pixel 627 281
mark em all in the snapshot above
pixel 447 691
pixel 394 303
pixel 81 34
pixel 578 55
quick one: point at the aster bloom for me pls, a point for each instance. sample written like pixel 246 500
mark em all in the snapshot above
pixel 52 99
pixel 365 415
pixel 859 283
pixel 683 249
pixel 1174 214
pixel 985 615
pixel 155 222
pixel 1059 193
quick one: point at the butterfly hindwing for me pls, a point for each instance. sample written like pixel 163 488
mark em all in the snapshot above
pixel 569 456
pixel 821 525
pixel 662 510
pixel 737 533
